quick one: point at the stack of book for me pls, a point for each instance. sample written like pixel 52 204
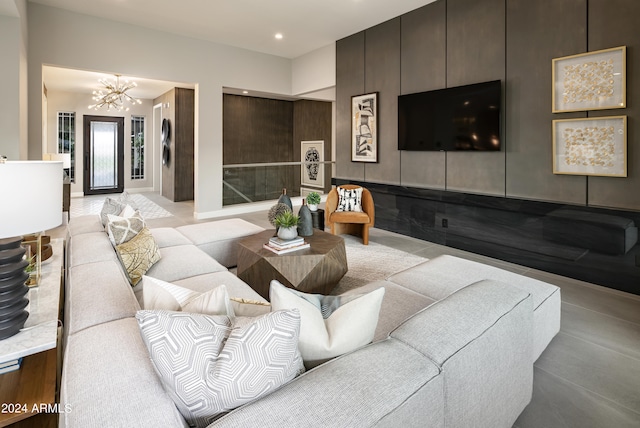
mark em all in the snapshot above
pixel 10 366
pixel 281 246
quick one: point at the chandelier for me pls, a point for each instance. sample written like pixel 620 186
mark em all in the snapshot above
pixel 115 95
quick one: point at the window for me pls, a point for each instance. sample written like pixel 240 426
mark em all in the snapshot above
pixel 137 147
pixel 67 138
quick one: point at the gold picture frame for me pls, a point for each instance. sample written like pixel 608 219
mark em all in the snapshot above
pixel 590 81
pixel 590 146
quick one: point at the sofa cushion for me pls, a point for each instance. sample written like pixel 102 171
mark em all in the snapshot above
pixel 123 229
pixel 331 325
pixel 90 247
pixel 158 294
pixel 209 365
pixel 386 384
pixel 183 261
pixel 107 376
pixel 84 224
pixel 219 239
pixel 349 217
pixel 168 237
pixel 138 255
pixel 89 302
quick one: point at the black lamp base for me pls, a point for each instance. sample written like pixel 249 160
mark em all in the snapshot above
pixel 12 287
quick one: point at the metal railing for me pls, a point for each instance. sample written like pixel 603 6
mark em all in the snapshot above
pixel 253 182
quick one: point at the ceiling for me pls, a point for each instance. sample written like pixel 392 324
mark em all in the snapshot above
pixel 250 24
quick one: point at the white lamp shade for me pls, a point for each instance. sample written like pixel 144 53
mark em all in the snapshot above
pixel 65 158
pixel 31 197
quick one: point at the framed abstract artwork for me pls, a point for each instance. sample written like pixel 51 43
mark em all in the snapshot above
pixel 590 81
pixel 364 130
pixel 312 170
pixel 590 146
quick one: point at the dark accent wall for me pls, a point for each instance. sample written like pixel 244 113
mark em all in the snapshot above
pixel 457 42
pixel 262 130
pixel 312 122
pixel 178 174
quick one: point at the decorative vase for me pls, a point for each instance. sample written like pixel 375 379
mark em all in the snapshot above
pixel 288 233
pixel 284 199
pixel 305 224
pixel 313 207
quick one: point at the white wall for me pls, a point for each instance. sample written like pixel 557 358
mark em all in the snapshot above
pixel 314 71
pixel 66 39
pixel 60 101
pixel 9 84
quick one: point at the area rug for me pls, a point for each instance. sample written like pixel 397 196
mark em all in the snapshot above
pixel 372 262
pixel 92 205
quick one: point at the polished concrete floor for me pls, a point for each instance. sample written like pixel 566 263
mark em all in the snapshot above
pixel 589 376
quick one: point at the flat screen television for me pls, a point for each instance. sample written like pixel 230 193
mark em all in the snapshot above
pixel 460 118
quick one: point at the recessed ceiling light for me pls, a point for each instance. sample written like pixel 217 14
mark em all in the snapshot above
pixel 245 92
pixel 279 36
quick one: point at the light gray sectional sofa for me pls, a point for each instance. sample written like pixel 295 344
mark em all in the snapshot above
pixel 454 346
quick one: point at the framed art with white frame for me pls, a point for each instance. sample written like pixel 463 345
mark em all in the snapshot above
pixel 312 170
pixel 590 81
pixel 590 146
pixel 364 128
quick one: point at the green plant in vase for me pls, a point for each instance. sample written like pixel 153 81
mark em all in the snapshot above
pixel 313 200
pixel 287 223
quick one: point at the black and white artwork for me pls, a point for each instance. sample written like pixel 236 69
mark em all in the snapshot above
pixel 312 170
pixel 364 133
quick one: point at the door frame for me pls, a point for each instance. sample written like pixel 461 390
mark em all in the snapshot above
pixel 86 124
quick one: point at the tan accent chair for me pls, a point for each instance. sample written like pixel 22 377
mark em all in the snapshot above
pixel 350 222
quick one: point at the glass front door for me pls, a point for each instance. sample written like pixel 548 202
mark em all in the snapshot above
pixel 104 154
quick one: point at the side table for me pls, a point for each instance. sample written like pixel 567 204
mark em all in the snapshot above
pixel 317 218
pixel 28 395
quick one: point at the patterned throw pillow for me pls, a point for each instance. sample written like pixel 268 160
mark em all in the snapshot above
pixel 158 294
pixel 110 206
pixel 249 308
pixel 123 229
pixel 330 325
pixel 138 255
pixel 350 199
pixel 209 365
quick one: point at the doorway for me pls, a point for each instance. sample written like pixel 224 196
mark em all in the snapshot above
pixel 103 154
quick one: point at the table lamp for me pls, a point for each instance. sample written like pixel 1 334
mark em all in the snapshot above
pixel 31 200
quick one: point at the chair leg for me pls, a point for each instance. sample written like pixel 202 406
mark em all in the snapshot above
pixel 365 234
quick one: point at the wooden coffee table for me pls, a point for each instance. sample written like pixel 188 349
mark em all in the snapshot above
pixel 313 270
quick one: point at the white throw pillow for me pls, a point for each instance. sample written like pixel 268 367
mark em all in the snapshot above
pixel 349 199
pixel 330 325
pixel 158 294
pixel 210 365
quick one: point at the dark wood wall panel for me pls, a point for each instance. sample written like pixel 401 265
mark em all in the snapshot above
pixel 423 67
pixel 382 75
pixel 312 122
pixel 184 143
pixel 615 23
pixel 256 130
pixel 475 53
pixel 558 28
pixel 349 82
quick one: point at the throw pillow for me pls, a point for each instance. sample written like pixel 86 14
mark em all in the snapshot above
pixel 122 229
pixel 330 325
pixel 158 294
pixel 138 255
pixel 249 308
pixel 110 206
pixel 209 365
pixel 349 199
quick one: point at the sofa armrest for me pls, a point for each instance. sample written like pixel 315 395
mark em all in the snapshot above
pixel 482 338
